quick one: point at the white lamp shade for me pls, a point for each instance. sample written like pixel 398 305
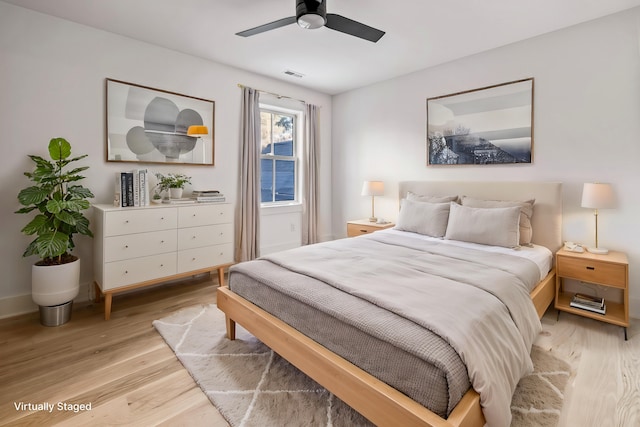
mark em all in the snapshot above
pixel 373 188
pixel 597 196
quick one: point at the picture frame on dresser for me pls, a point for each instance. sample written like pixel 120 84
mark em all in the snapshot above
pixel 489 125
pixel 149 125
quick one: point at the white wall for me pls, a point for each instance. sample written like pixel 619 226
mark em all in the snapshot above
pixel 52 76
pixel 587 124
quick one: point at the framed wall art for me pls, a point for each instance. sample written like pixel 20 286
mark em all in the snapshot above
pixel 490 125
pixel 150 125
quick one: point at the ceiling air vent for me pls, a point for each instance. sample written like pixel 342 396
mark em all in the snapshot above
pixel 294 74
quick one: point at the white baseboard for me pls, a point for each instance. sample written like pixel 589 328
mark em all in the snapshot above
pixel 22 304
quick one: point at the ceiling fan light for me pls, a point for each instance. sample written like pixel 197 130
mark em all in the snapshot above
pixel 311 21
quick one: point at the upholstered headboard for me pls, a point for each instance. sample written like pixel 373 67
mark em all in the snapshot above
pixel 547 210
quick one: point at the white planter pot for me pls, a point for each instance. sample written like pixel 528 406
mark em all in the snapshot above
pixel 55 284
pixel 175 193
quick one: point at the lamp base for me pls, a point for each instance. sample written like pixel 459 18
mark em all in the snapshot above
pixel 598 251
pixel 373 219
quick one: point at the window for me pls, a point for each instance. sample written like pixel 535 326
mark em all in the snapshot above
pixel 278 156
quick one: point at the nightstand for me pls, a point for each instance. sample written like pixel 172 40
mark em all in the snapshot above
pixel 364 226
pixel 611 271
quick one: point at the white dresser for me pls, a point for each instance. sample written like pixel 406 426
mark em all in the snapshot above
pixel 136 247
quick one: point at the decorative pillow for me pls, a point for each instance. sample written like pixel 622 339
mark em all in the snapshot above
pixel 431 199
pixel 488 226
pixel 429 219
pixel 526 212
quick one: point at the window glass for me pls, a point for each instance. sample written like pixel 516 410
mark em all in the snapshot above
pixel 266 183
pixel 278 160
pixel 285 180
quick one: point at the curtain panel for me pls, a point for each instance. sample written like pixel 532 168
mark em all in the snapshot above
pixel 310 171
pixel 248 223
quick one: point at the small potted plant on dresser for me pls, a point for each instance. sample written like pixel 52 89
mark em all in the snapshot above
pixel 58 201
pixel 173 183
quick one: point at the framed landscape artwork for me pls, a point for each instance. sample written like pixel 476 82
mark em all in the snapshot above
pixel 150 125
pixel 490 125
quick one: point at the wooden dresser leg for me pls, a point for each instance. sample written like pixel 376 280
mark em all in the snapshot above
pixel 231 328
pixel 107 305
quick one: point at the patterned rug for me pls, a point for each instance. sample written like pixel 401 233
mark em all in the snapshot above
pixel 252 386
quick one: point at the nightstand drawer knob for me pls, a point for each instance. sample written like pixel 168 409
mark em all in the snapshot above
pixel 591 268
pixel 363 231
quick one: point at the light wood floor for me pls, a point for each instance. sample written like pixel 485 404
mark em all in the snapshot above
pixel 131 377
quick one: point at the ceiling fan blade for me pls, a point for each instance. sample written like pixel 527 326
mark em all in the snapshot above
pixel 354 28
pixel 267 27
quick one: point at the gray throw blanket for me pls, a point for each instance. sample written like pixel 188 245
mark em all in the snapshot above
pixel 476 301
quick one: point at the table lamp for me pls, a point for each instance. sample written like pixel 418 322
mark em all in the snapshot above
pixel 373 188
pixel 597 196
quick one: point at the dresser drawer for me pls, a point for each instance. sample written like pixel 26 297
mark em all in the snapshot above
pixel 197 237
pixel 139 221
pixel 209 256
pixel 593 272
pixel 117 248
pixel 128 272
pixel 203 214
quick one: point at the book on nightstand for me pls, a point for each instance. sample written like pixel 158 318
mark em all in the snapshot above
pixel 587 302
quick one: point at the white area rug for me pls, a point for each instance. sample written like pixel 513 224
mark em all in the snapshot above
pixel 252 386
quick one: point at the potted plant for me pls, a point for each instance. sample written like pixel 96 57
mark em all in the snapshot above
pixel 156 198
pixel 173 183
pixel 58 201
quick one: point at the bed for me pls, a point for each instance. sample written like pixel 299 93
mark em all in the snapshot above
pixel 364 381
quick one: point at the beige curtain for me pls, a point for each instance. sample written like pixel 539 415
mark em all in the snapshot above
pixel 248 223
pixel 311 159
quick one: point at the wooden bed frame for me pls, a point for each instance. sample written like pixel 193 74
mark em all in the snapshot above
pixel 380 403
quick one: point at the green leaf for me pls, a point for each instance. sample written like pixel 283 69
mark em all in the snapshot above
pixel 31 249
pixel 26 210
pixel 80 192
pixel 33 195
pixel 77 205
pixel 59 149
pixel 39 224
pixel 55 206
pixel 51 244
pixel 82 225
pixel 66 217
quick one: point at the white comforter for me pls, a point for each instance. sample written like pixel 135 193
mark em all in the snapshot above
pixel 478 302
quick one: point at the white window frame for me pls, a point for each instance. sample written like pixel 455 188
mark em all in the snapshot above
pixel 298 118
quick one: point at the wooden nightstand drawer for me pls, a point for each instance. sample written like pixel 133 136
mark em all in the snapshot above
pixel 590 271
pixel 358 229
pixel 364 226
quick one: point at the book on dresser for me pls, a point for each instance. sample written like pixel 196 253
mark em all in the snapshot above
pixel 588 302
pixel 133 188
pixel 181 201
pixel 208 196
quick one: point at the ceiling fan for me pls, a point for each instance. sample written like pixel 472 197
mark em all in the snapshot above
pixel 311 14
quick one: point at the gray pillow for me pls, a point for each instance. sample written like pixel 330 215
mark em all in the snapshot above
pixel 429 219
pixel 431 199
pixel 487 226
pixel 526 212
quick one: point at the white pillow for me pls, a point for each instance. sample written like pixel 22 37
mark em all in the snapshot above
pixel 431 199
pixel 526 212
pixel 487 226
pixel 429 219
